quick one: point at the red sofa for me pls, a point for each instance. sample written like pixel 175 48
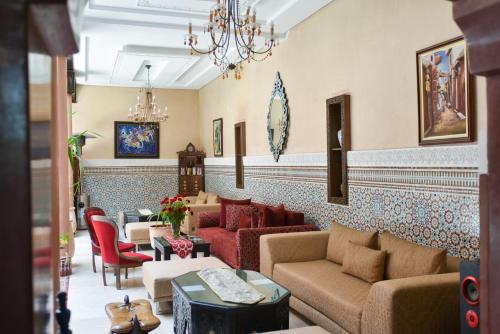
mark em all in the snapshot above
pixel 241 249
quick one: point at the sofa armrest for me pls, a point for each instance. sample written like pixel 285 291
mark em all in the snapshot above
pixel 195 208
pixel 209 219
pixel 247 242
pixel 291 247
pixel 422 304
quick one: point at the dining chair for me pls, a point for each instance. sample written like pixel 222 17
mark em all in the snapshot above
pixel 96 248
pixel 107 234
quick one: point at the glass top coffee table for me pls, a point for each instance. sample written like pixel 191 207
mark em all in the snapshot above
pixel 162 247
pixel 197 309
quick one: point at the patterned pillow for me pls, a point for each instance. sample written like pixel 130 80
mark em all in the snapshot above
pixel 224 202
pixel 234 213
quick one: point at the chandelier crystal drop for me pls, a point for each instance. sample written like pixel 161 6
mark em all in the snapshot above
pixel 225 23
pixel 150 111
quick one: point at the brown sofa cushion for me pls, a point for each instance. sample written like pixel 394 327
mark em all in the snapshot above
pixel 323 286
pixel 212 198
pixel 406 259
pixel 340 236
pixel 364 263
pixel 201 198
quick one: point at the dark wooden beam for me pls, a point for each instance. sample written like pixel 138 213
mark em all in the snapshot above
pixel 480 22
pixel 52 25
pixel 16 282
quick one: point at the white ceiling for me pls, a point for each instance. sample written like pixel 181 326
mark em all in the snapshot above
pixel 119 36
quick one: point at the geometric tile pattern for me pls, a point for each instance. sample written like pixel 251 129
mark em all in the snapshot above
pixel 128 188
pixel 426 195
pixel 443 213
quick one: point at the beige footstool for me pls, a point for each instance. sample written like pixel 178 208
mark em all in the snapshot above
pixel 138 233
pixel 157 275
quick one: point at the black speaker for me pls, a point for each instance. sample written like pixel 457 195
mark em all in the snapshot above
pixel 469 297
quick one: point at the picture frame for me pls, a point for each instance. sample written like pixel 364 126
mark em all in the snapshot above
pixel 218 133
pixel 445 94
pixel 137 140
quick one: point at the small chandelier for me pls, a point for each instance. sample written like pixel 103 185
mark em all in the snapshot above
pixel 225 20
pixel 150 111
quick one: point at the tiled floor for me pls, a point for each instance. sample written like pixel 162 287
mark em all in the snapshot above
pixel 87 295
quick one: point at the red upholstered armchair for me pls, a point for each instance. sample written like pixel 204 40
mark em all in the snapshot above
pixel 241 249
pixel 96 249
pixel 107 234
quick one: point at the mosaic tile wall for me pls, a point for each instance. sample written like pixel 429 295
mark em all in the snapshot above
pixel 127 188
pixel 405 193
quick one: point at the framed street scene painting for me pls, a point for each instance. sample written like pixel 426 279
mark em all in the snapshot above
pixel 137 140
pixel 445 112
pixel 217 138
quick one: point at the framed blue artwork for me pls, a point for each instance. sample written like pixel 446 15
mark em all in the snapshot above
pixel 137 140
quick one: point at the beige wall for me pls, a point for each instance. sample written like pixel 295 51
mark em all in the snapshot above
pixel 361 47
pixel 99 107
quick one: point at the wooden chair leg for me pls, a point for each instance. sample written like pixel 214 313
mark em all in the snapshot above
pixel 118 282
pixel 126 273
pixel 104 274
pixel 93 262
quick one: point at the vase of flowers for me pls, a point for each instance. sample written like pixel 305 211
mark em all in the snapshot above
pixel 159 230
pixel 173 211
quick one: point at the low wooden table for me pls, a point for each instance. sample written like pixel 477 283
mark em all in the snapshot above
pixel 162 247
pixel 197 309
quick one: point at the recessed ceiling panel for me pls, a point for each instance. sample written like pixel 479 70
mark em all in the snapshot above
pixel 167 65
pixel 199 6
pixel 119 37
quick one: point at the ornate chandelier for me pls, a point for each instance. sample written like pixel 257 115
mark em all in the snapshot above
pixel 226 21
pixel 150 111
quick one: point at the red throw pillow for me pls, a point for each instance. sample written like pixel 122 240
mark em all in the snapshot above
pixel 234 212
pixel 245 221
pixel 224 202
pixel 255 218
pixel 273 216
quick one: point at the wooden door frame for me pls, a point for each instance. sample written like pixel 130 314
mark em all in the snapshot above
pixel 47 26
pixel 479 21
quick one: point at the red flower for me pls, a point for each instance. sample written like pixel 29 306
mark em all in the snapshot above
pixel 165 200
pixel 184 209
pixel 170 209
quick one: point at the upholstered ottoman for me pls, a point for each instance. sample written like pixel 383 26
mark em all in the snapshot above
pixel 157 276
pixel 138 233
pixel 303 330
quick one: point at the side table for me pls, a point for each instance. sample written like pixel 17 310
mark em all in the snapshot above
pixel 162 247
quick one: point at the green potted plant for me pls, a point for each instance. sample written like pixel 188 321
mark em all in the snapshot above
pixel 172 214
pixel 75 145
pixel 65 259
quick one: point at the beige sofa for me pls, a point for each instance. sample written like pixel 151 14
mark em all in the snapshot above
pixel 191 221
pixel 342 303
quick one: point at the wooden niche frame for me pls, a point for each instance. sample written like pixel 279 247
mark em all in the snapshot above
pixel 338 144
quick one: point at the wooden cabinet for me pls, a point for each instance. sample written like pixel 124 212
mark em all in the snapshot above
pixel 191 171
pixel 339 143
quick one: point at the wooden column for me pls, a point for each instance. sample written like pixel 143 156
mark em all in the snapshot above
pixel 15 281
pixel 480 22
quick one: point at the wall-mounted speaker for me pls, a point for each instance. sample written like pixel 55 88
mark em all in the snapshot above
pixel 469 297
